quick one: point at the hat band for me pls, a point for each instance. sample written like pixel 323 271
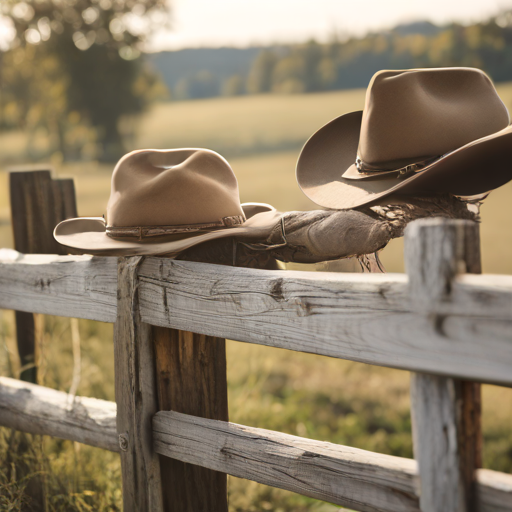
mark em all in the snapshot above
pixel 141 232
pixel 402 172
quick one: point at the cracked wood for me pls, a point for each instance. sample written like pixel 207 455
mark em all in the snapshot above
pixel 44 411
pixel 363 317
pixel 346 476
pixel 73 286
pixel 136 395
pixel 446 412
pixel 366 318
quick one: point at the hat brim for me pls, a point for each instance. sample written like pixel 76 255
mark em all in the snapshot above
pixel 87 235
pixel 480 166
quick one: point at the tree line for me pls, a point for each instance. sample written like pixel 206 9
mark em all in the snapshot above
pixel 313 67
pixel 74 71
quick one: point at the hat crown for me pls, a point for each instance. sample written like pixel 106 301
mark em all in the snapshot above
pixel 418 114
pixel 172 188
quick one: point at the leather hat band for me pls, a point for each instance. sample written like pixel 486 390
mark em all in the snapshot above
pixel 402 172
pixel 141 232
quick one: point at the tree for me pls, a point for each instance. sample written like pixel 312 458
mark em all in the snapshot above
pixel 260 76
pixel 201 85
pixel 289 75
pixel 233 86
pixel 312 54
pixel 96 45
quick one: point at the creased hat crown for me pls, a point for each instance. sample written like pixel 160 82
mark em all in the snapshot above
pixel 173 188
pixel 419 114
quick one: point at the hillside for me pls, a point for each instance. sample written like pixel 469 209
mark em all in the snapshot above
pixel 337 64
pixel 223 62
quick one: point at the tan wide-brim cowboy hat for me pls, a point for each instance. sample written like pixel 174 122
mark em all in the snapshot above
pixel 421 132
pixel 164 202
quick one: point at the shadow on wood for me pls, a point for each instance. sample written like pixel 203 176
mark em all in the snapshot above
pixel 191 379
pixel 446 412
pixel 38 203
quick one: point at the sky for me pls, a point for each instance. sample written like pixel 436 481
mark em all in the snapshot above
pixel 252 22
pixel 214 23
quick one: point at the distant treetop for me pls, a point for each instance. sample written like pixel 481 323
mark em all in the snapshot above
pixel 121 24
pixel 71 69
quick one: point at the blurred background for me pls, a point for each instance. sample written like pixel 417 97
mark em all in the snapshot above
pixel 84 81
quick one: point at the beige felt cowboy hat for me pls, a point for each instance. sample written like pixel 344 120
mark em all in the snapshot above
pixel 163 202
pixel 421 131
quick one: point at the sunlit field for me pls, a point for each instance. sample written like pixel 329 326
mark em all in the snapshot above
pixel 306 395
pixel 261 136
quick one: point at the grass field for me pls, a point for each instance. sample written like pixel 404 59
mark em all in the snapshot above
pixel 311 396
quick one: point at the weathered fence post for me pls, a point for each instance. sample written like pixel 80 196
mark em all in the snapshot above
pixel 191 378
pixel 38 203
pixel 445 411
pixel 136 395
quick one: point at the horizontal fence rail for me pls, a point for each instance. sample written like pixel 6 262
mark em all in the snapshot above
pixel 361 317
pixel 345 476
pixel 73 286
pixel 450 328
pixel 45 411
pixel 342 475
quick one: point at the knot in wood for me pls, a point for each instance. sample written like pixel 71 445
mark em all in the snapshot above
pixel 123 442
pixel 276 290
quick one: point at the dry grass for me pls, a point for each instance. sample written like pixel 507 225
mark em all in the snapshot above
pixel 244 125
pixel 306 395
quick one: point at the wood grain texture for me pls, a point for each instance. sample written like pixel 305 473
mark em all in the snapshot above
pixel 44 411
pixel 494 491
pixel 73 286
pixel 85 286
pixel 38 203
pixel 36 207
pixel 446 412
pixel 367 318
pixel 346 476
pixel 362 317
pixel 191 379
pixel 136 396
pixel 349 477
pixel 435 404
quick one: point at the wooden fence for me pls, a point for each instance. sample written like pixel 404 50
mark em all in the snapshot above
pixel 452 329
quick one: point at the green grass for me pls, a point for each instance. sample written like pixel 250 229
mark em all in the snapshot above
pixel 311 396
